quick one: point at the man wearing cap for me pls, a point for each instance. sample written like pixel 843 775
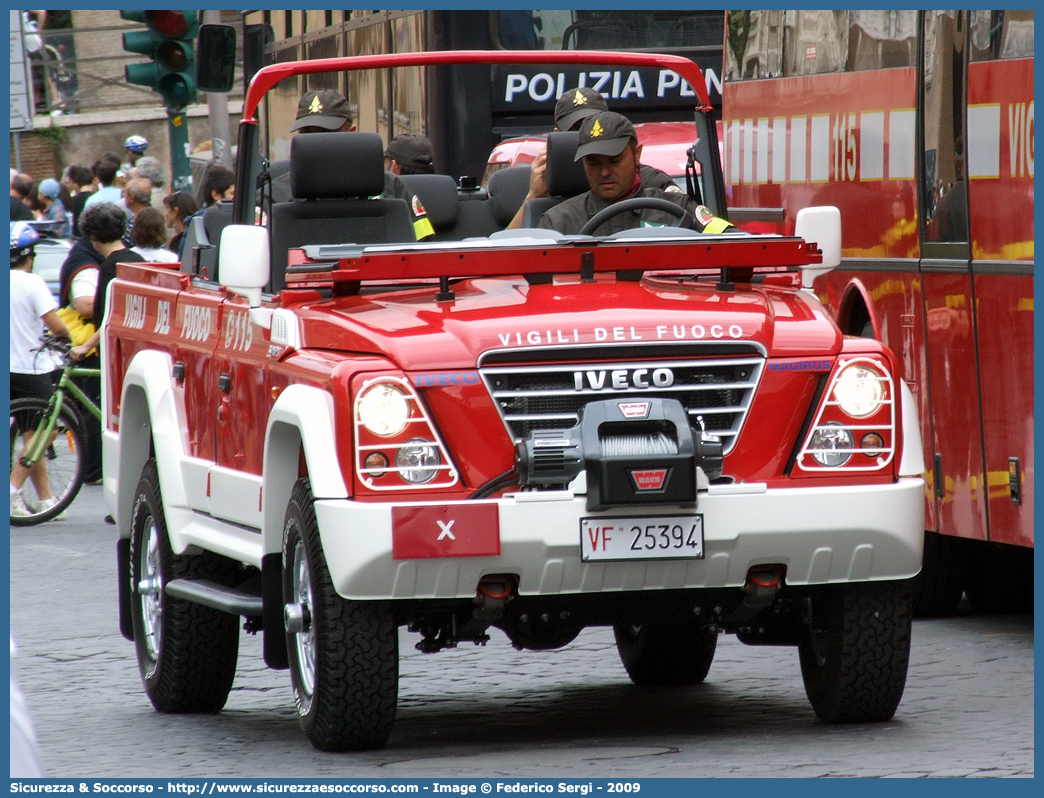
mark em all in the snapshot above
pixel 609 149
pixel 572 108
pixel 326 110
pixel 409 155
pixel 54 210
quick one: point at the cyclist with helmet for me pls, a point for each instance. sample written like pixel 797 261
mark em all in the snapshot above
pixel 33 374
pixel 134 147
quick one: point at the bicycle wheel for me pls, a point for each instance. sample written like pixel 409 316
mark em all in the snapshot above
pixel 61 465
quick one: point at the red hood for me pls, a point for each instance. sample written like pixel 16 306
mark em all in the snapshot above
pixel 414 331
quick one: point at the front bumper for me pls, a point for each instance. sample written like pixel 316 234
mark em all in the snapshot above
pixel 822 535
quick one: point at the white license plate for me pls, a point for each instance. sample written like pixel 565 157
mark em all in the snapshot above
pixel 641 538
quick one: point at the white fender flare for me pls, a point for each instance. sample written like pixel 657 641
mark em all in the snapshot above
pixel 149 374
pixel 302 419
pixel 912 462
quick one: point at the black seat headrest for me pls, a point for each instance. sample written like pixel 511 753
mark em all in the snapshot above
pixel 337 165
pixel 438 195
pixel 216 218
pixel 565 176
pixel 507 191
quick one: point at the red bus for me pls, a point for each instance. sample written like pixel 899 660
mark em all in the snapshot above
pixel 919 126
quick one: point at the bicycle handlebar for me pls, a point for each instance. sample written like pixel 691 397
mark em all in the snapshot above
pixel 49 342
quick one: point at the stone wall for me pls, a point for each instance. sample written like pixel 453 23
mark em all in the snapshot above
pixel 83 138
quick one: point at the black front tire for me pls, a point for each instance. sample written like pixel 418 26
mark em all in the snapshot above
pixel 186 652
pixel 344 662
pixel 666 654
pixel 855 651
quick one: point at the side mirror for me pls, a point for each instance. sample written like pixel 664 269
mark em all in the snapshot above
pixel 243 261
pixel 823 226
pixel 216 58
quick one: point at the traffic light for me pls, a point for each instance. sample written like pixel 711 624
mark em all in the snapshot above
pixel 168 42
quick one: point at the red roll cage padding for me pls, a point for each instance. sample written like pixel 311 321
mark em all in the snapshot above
pixel 456 260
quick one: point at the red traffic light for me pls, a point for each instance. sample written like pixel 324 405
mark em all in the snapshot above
pixel 169 23
pixel 173 55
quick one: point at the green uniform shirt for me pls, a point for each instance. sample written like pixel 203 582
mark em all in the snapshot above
pixel 570 216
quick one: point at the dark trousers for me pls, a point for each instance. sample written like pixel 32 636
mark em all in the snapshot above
pixel 92 468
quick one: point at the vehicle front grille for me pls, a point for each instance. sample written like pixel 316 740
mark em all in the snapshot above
pixel 716 392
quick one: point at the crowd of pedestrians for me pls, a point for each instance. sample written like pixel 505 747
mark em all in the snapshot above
pixel 119 210
pixel 113 211
pixel 132 183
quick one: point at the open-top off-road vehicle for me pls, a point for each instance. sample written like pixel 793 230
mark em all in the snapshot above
pixel 332 431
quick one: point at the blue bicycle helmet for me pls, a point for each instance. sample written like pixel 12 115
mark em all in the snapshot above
pixel 23 239
pixel 136 144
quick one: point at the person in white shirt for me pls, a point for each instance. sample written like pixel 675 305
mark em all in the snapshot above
pixel 149 236
pixel 33 374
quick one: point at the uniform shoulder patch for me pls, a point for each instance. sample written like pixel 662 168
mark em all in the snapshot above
pixel 418 207
pixel 703 214
pixel 673 189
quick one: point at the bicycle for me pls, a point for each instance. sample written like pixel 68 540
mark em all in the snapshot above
pixel 51 432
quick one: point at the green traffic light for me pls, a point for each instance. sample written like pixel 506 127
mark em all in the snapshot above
pixel 168 42
pixel 177 90
pixel 142 75
pixel 142 42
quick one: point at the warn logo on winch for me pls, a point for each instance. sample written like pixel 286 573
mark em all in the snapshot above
pixel 634 409
pixel 653 479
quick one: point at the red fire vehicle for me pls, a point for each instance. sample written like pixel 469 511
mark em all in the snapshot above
pixel 919 127
pixel 335 431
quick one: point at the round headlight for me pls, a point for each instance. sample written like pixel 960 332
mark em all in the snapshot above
pixel 828 445
pixel 859 390
pixel 384 409
pixel 416 461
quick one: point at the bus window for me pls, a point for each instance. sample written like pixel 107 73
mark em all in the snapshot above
pixel 944 193
pixel 882 39
pixel 762 44
pixel 608 30
pixel 1001 35
pixel 754 47
pixel 815 42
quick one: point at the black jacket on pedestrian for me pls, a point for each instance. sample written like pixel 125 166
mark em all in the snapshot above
pixel 82 254
pixel 106 274
pixel 20 211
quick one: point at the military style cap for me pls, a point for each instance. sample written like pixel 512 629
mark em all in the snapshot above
pixel 325 108
pixel 414 151
pixel 576 105
pixel 605 133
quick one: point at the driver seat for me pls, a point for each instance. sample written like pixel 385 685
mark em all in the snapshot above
pixel 565 177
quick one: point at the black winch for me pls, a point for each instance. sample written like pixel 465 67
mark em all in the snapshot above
pixel 635 451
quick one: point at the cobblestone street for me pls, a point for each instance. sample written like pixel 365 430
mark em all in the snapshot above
pixel 967 710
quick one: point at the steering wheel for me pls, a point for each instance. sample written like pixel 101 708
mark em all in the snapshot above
pixel 682 216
